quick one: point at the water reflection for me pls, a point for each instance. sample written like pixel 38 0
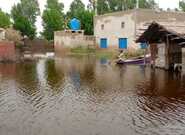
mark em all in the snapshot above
pixel 54 78
pixel 27 78
pixel 85 95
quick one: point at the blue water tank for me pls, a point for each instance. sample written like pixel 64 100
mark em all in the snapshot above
pixel 74 24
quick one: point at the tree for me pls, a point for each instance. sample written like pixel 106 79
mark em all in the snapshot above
pixel 102 7
pixel 150 4
pixel 106 6
pixel 86 19
pixel 25 27
pixel 4 20
pixel 182 5
pixel 92 5
pixel 24 16
pixel 76 8
pixel 53 18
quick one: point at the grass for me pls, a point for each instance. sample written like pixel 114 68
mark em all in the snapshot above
pixel 110 54
pixel 82 50
pixel 137 53
pixel 79 51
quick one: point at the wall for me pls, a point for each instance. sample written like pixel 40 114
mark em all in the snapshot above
pixel 2 34
pixel 160 61
pixel 39 45
pixel 65 40
pixel 113 30
pixel 7 51
pixel 13 35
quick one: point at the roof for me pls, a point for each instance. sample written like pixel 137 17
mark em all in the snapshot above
pixel 157 33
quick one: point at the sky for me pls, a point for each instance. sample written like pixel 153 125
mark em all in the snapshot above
pixel 6 5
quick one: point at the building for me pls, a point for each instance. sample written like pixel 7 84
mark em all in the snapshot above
pixel 67 39
pixel 166 46
pixel 119 30
pixel 8 40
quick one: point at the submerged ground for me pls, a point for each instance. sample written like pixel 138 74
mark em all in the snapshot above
pixel 89 96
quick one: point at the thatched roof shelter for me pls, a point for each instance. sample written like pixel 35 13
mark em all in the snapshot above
pixel 157 33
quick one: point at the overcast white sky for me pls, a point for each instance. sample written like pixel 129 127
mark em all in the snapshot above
pixel 6 5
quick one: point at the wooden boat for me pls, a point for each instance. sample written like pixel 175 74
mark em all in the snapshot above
pixel 139 60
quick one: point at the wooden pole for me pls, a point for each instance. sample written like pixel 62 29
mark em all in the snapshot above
pixel 137 6
pixel 167 53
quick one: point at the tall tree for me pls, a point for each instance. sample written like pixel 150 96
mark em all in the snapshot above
pixel 92 5
pixel 53 18
pixel 182 5
pixel 150 4
pixel 86 19
pixel 24 16
pixel 106 6
pixel 4 20
pixel 102 7
pixel 76 8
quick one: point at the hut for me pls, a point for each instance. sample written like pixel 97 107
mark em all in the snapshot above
pixel 165 46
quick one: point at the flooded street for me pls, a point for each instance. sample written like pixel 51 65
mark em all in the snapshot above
pixel 89 96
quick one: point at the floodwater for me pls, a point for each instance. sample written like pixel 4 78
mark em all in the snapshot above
pixel 89 96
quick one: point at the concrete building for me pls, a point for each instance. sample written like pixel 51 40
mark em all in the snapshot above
pixel 119 30
pixel 64 40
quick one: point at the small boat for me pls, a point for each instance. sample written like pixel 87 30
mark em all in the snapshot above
pixel 137 61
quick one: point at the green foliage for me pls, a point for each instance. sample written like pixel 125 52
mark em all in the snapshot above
pixel 24 16
pixel 106 6
pixel 92 5
pixel 77 10
pixel 24 26
pixel 86 19
pixel 53 18
pixel 4 20
pixel 147 4
pixel 182 5
pixel 102 7
pixel 76 7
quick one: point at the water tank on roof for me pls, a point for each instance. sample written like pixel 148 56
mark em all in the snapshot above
pixel 74 24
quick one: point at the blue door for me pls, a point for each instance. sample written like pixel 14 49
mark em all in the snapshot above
pixel 123 43
pixel 103 43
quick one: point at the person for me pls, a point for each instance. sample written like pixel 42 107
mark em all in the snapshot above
pixel 120 56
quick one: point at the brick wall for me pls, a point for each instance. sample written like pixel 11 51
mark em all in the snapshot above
pixel 7 51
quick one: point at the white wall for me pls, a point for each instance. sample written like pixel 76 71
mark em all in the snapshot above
pixel 160 61
pixel 2 35
pixel 113 30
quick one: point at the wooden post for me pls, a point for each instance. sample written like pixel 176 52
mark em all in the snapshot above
pixel 145 53
pixel 167 53
pixel 145 56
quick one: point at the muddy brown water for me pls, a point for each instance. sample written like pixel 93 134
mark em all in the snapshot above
pixel 88 96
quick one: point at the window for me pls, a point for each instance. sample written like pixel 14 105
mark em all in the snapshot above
pixel 122 25
pixel 102 27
